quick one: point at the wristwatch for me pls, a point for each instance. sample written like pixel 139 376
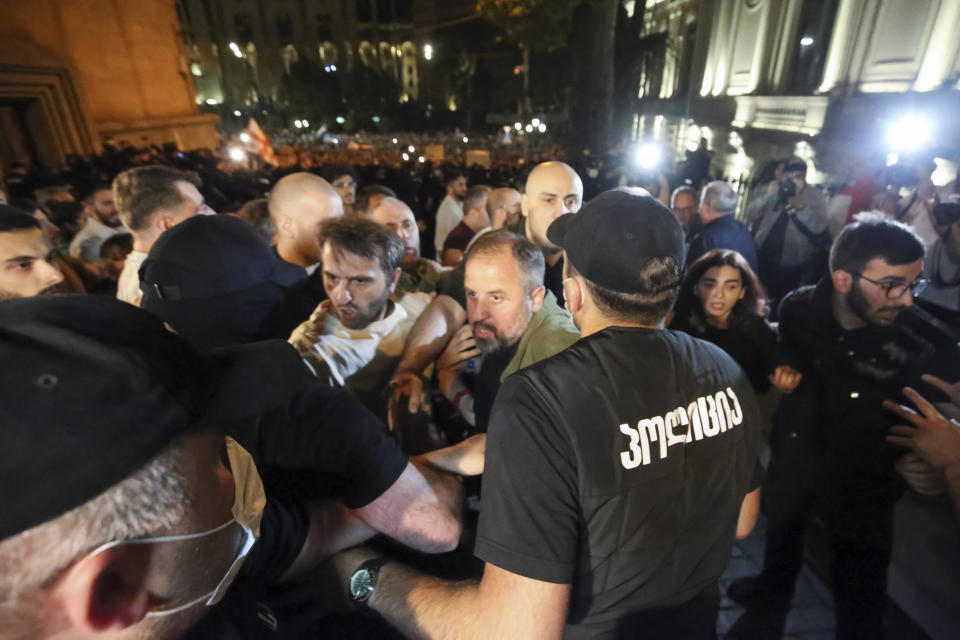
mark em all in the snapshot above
pixel 364 580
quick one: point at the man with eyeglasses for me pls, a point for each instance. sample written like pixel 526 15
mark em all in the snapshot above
pixel 863 341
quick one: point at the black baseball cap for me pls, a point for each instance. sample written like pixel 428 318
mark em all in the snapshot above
pixel 614 235
pixel 218 283
pixel 209 255
pixel 94 387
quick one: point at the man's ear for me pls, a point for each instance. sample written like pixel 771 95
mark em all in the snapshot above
pixel 165 221
pixel 842 281
pixel 524 206
pixel 105 592
pixel 536 298
pixel 573 293
pixel 396 279
pixel 285 226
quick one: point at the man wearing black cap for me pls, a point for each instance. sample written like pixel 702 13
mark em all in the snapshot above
pixel 615 470
pixel 217 283
pixel 123 518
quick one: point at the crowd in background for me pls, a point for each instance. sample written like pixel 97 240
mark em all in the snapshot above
pixel 381 271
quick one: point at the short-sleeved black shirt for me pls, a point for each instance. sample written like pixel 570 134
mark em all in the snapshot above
pixel 619 466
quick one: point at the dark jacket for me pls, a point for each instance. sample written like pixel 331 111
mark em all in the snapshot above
pixel 725 232
pixel 835 416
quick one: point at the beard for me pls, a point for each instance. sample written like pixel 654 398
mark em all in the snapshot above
pixel 858 303
pixel 362 317
pixel 497 341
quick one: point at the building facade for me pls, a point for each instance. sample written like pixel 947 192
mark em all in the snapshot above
pixel 239 50
pixel 825 80
pixel 74 74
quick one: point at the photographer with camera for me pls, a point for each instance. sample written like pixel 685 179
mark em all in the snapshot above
pixel 942 264
pixel 916 207
pixel 791 232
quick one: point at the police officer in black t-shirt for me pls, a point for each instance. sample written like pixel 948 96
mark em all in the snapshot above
pixel 616 471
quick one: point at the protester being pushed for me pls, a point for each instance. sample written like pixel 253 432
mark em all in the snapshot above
pixel 613 488
pixel 860 340
pixel 146 533
pixel 722 301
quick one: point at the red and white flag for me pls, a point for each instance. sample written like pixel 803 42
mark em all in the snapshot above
pixel 257 143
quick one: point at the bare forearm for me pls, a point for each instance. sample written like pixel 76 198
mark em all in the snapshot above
pixel 464 458
pixel 333 528
pixel 431 333
pixel 424 607
pixel 421 509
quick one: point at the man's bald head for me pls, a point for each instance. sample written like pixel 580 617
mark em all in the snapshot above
pixel 504 204
pixel 299 204
pixel 553 189
pixel 395 214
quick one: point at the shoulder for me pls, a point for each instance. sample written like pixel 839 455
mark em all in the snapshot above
pixel 797 302
pixel 414 302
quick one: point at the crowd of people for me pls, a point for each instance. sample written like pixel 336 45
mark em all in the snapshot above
pixel 446 402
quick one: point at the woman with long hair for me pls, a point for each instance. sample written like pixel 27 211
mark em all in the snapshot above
pixel 721 300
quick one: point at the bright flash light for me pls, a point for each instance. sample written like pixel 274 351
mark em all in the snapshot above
pixel 411 148
pixel 806 41
pixel 333 67
pixel 517 126
pixel 245 137
pixel 466 139
pixel 236 154
pixel 236 50
pixel 336 141
pixel 236 113
pixel 395 141
pixel 341 119
pixel 535 122
pixel 648 156
pixel 212 101
pixel 421 159
pixel 306 124
pixel 375 118
pixel 298 124
pixel 542 128
pixel 428 52
pixel 909 133
pixel 528 128
pixel 406 157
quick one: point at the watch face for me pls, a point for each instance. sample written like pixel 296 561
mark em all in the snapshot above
pixel 361 584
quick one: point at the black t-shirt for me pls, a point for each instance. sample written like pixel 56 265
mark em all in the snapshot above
pixel 752 343
pixel 487 383
pixel 316 442
pixel 553 280
pixel 619 466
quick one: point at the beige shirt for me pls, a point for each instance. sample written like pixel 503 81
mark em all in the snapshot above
pixel 361 360
pixel 128 287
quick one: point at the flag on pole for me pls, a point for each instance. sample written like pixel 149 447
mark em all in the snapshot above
pixel 256 142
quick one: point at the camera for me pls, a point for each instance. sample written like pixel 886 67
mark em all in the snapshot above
pixel 946 213
pixel 788 189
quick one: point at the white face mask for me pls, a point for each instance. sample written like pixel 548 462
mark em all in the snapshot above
pixel 248 505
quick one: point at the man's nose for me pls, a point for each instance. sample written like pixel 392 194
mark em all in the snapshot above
pixel 49 274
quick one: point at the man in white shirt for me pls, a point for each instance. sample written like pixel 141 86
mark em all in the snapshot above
pixel 149 201
pixel 355 338
pixel 450 212
pixel 102 222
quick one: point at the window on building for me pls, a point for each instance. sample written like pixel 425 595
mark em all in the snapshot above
pixel 242 28
pixel 403 10
pixel 366 10
pixel 285 29
pixel 324 27
pixel 811 45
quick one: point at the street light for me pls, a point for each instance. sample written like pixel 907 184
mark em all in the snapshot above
pixel 306 124
pixel 236 154
pixel 421 159
pixel 395 141
pixel 528 128
pixel 909 133
pixel 428 52
pixel 298 124
pixel 406 156
pixel 236 50
pixel 411 148
pixel 806 41
pixel 341 119
pixel 542 128
pixel 647 156
pixel 244 137
pixel 517 126
pixel 465 140
pixel 236 112
pixel 535 122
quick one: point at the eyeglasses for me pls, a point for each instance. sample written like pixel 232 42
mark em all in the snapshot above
pixel 895 289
